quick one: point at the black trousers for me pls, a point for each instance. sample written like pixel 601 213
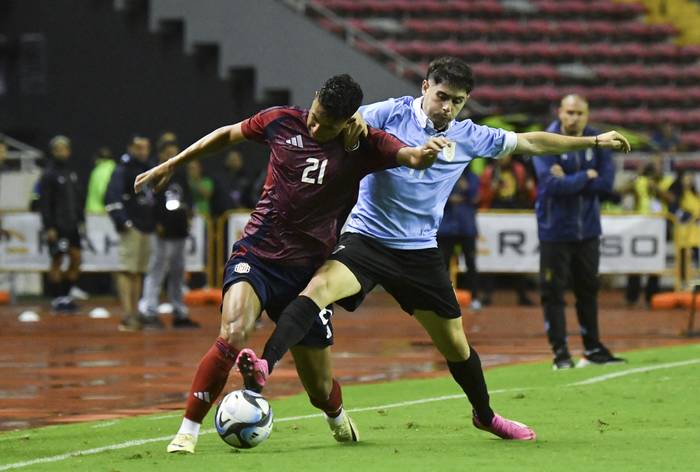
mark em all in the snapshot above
pixel 634 288
pixel 447 246
pixel 577 260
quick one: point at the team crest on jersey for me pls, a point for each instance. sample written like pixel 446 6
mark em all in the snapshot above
pixel 242 268
pixel 450 151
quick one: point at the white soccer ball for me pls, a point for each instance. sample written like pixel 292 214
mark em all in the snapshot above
pixel 243 419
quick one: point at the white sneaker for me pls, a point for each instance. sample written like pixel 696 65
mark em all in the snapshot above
pixel 182 443
pixel 77 293
pixel 343 428
pixel 475 305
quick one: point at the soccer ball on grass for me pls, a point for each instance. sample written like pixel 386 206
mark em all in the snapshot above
pixel 243 419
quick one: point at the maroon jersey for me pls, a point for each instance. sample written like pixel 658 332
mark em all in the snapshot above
pixel 309 185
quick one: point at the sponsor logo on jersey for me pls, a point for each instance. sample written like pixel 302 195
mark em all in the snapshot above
pixel 296 141
pixel 242 268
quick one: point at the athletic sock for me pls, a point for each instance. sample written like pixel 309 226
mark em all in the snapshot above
pixel 333 405
pixel 210 379
pixel 189 427
pixel 65 286
pixel 53 289
pixel 470 376
pixel 293 324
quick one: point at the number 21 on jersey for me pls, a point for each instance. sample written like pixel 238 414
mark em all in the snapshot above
pixel 308 176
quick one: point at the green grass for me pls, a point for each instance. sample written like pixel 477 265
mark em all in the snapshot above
pixel 641 421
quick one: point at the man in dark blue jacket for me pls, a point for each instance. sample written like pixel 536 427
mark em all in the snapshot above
pixel 458 227
pixel 63 219
pixel 568 219
pixel 133 218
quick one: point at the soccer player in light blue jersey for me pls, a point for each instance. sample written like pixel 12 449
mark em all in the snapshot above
pixel 390 236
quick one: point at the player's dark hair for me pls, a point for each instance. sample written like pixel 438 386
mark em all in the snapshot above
pixel 340 96
pixel 451 71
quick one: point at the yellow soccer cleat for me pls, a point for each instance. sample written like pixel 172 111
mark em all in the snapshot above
pixel 343 428
pixel 183 443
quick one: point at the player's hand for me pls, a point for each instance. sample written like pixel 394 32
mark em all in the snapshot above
pixel 428 152
pixel 354 131
pixel 556 170
pixel 157 177
pixel 592 173
pixel 613 140
pixel 51 235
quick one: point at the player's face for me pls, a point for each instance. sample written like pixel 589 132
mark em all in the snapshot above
pixel 442 102
pixel 61 151
pixel 322 127
pixel 167 152
pixel 573 114
pixel 140 149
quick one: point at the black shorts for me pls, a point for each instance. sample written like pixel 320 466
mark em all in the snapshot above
pixel 65 240
pixel 276 286
pixel 416 278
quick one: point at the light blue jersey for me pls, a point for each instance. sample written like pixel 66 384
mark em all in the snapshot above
pixel 401 207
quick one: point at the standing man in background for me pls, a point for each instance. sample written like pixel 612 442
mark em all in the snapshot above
pixel 132 215
pixel 63 221
pixel 173 210
pixel 568 220
pixel 458 227
pixel 99 180
pixel 231 186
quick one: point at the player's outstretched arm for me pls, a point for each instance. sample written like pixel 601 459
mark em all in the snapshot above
pixel 422 157
pixel 215 141
pixel 541 143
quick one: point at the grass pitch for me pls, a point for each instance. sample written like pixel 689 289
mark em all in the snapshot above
pixel 644 415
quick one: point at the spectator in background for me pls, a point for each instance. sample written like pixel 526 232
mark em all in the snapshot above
pixel 201 187
pixel 232 187
pixel 63 219
pixel 99 180
pixel 568 221
pixel 458 227
pixel 650 190
pixel 132 215
pixel 666 138
pixel 3 154
pixel 686 207
pixel 173 210
pixel 505 184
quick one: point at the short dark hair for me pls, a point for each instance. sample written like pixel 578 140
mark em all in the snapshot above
pixel 137 137
pixel 452 71
pixel 340 96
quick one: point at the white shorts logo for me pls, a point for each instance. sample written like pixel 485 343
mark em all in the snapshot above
pixel 338 249
pixel 242 268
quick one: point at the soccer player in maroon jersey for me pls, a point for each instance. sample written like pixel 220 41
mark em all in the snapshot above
pixel 312 181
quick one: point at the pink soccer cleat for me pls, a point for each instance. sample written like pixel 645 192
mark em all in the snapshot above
pixel 506 429
pixel 253 370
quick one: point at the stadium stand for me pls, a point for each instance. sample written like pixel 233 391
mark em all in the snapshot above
pixel 527 53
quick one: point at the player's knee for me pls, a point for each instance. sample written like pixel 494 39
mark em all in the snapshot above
pixel 236 327
pixel 54 275
pixel 319 290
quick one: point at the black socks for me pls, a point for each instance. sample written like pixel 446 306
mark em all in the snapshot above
pixel 470 376
pixel 292 325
